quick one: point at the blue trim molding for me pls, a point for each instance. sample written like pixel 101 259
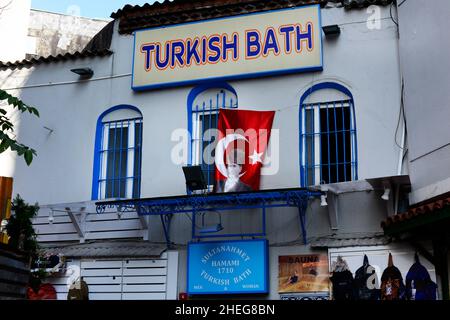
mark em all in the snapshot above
pixel 190 104
pixel 314 88
pixel 98 145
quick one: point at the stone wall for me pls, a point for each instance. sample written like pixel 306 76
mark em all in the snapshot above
pixel 55 33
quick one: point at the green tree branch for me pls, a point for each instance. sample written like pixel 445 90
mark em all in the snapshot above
pixel 7 128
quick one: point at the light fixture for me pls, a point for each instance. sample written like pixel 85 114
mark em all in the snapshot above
pixel 332 30
pixel 195 180
pixel 323 200
pixel 386 194
pixel 84 73
pixel 211 228
pixel 51 218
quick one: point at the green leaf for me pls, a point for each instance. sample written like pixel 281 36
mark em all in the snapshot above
pixel 4 145
pixel 35 111
pixel 28 157
pixel 15 102
pixel 7 126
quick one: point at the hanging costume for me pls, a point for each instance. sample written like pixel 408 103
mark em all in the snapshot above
pixel 366 282
pixel 392 287
pixel 342 280
pixel 419 285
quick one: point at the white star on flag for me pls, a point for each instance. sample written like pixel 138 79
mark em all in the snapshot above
pixel 256 157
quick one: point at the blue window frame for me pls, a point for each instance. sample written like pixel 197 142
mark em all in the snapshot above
pixel 204 103
pixel 118 154
pixel 328 139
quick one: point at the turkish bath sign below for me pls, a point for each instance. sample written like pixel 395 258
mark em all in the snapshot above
pixel 227 267
pixel 258 44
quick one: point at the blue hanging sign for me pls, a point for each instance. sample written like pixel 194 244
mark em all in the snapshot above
pixel 228 267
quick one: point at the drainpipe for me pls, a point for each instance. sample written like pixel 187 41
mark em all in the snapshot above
pixel 402 100
pixel 400 167
pixel 400 157
pixel 402 149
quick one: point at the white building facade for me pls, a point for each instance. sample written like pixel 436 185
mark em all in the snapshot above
pixel 80 156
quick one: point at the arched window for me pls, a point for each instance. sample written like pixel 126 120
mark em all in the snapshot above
pixel 328 144
pixel 118 154
pixel 204 103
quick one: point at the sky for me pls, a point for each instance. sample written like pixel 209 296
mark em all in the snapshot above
pixel 86 8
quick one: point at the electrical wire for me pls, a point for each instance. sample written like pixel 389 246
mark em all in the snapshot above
pixel 53 84
pixel 390 13
pixel 404 155
pixel 362 22
pixel 5 6
pixel 401 116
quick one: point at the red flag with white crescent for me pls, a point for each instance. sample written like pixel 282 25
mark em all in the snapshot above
pixel 239 154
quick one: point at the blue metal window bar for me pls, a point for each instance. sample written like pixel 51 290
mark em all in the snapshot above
pixel 328 136
pixel 166 207
pixel 205 119
pixel 120 159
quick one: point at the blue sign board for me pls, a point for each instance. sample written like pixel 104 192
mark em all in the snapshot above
pixel 228 267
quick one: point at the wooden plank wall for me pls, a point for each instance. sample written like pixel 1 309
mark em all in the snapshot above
pixel 108 225
pixel 117 279
pixel 14 274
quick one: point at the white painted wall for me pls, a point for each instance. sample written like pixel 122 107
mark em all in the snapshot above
pixel 366 61
pixel 14 21
pixel 425 64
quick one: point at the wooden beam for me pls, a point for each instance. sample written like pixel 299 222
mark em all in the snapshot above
pixel 145 230
pixel 144 222
pixel 75 222
pixel 333 210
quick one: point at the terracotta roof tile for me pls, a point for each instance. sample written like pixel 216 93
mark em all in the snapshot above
pixel 419 210
pixel 178 11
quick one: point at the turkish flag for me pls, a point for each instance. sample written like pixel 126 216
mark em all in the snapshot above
pixel 239 153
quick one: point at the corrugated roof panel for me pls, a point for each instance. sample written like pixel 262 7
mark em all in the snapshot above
pixel 106 249
pixel 341 241
pixel 59 57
